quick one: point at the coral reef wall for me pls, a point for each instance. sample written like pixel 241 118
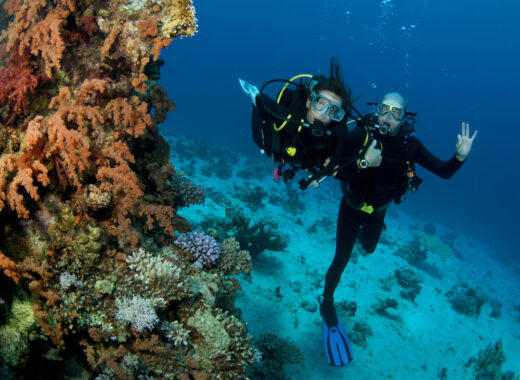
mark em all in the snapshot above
pixel 89 200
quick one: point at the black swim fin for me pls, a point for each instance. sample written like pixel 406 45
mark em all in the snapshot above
pixel 337 345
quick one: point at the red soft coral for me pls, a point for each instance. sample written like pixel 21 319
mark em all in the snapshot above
pixel 17 82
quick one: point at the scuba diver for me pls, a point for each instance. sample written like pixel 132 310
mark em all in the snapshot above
pixel 371 183
pixel 305 126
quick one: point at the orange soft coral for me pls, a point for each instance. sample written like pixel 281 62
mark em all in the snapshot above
pixel 117 177
pixel 68 148
pixel 42 39
pixel 148 28
pixel 162 215
pixel 158 44
pixel 109 41
pixel 23 179
pixel 9 268
pixel 24 169
pixel 130 116
pixel 67 130
pixel 25 173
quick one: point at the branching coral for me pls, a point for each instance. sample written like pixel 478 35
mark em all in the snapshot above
pixel 204 248
pixel 233 260
pixel 187 192
pixel 153 269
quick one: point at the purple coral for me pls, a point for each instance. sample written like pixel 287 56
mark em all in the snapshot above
pixel 204 247
pixel 188 193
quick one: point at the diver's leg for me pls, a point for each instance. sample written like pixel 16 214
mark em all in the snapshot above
pixel 348 224
pixel 371 230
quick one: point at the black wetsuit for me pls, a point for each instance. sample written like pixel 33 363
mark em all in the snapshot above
pixel 311 150
pixel 376 187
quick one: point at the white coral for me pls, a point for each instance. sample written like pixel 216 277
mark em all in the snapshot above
pixel 175 333
pixel 151 268
pixel 137 311
pixel 69 279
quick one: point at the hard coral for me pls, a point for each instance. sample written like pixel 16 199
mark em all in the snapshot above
pixel 233 260
pixel 409 280
pixel 466 300
pixel 96 200
pixel 203 247
pixel 187 192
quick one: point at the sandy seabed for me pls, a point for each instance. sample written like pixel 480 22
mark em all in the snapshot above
pixel 415 340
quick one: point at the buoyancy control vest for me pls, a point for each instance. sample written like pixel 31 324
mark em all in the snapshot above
pixel 410 181
pixel 279 128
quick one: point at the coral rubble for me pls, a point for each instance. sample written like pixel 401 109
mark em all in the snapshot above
pixel 89 200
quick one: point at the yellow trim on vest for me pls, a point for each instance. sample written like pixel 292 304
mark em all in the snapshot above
pixel 291 151
pixel 367 208
pixel 278 129
pixel 364 142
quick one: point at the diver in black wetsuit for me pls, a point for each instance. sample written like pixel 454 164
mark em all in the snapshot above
pixel 385 173
pixel 306 128
pixel 305 125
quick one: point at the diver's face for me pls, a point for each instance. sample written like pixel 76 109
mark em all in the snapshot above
pixel 387 119
pixel 313 114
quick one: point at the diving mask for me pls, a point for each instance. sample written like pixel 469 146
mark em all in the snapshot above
pixel 398 113
pixel 327 107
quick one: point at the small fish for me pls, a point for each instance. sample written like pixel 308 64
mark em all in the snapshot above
pixel 2 301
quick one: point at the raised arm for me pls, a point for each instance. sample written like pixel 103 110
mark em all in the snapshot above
pixel 446 169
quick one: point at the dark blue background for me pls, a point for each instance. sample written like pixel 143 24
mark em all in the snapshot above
pixel 459 63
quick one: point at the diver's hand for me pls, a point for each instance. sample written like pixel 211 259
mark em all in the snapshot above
pixel 373 155
pixel 464 142
pixel 249 89
pixel 327 162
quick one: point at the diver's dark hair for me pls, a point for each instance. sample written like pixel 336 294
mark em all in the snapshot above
pixel 333 83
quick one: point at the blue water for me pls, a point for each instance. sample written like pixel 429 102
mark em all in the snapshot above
pixel 454 61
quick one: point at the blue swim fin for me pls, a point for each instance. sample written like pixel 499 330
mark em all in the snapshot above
pixel 335 339
pixel 337 345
